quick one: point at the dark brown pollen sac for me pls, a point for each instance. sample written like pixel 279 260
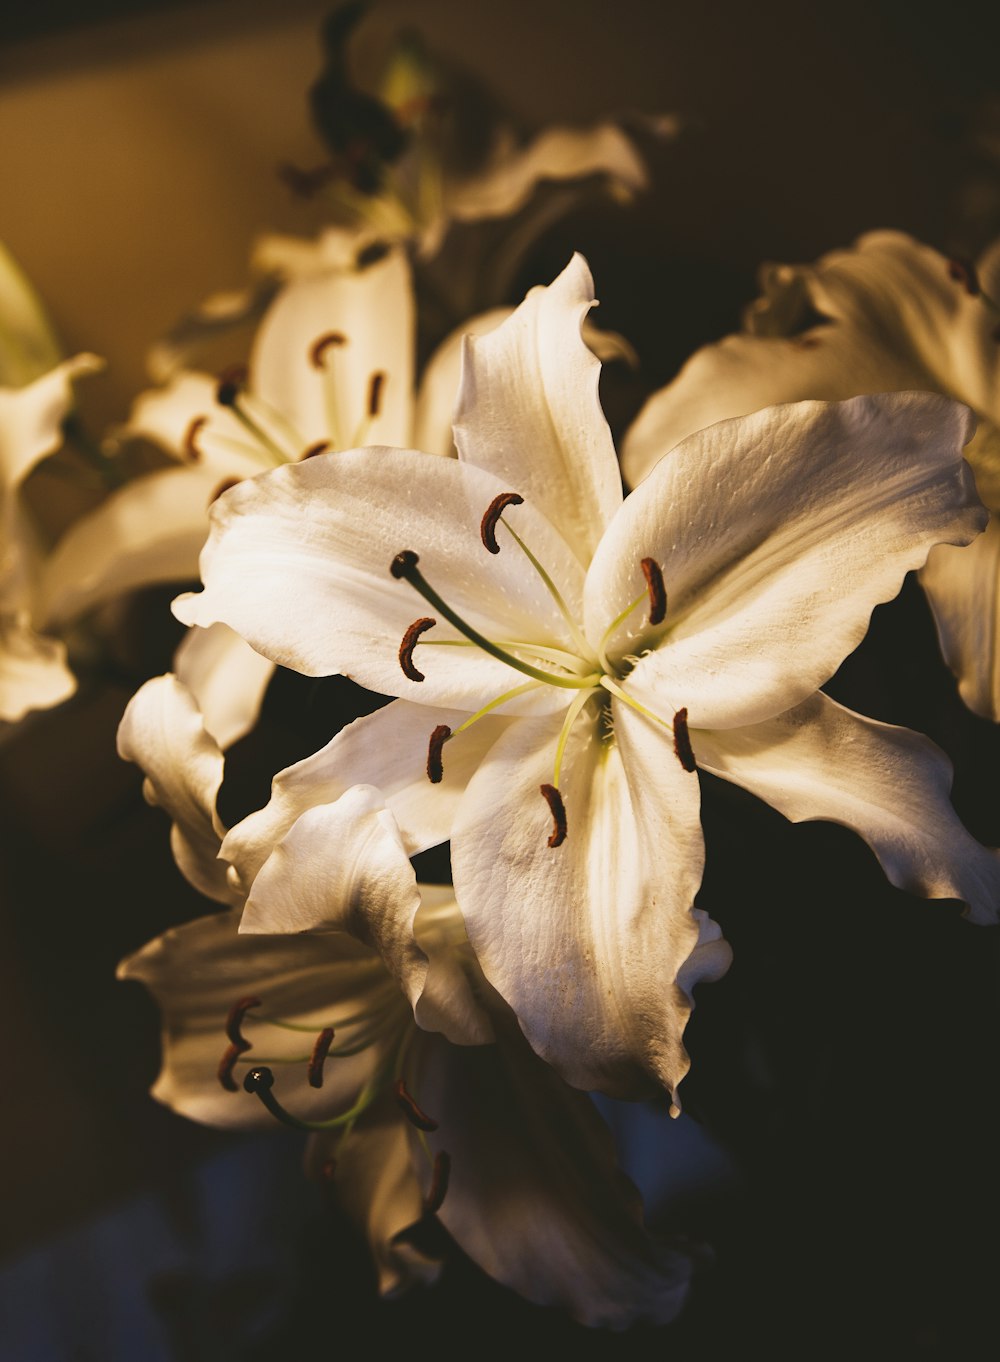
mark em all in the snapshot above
pixel 320 1050
pixel 228 1063
pixel 496 508
pixel 231 381
pixel 234 1020
pixel 190 441
pixel 657 591
pixel 408 1105
pixel 438 1189
pixel 682 741
pixel 964 272
pixel 410 640
pixel 376 390
pixel 435 764
pixel 320 447
pixel 319 347
pixel 558 811
pixel 403 564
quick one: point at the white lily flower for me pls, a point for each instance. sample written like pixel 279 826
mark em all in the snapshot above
pixel 577 656
pixel 33 669
pixel 321 1029
pixel 332 365
pixel 887 315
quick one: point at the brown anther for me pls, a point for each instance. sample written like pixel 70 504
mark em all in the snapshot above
pixel 306 184
pixel 224 486
pixel 657 591
pixel 234 1020
pixel 410 640
pixel 682 741
pixel 376 388
pixel 228 1063
pixel 496 508
pixel 410 1110
pixel 319 347
pixel 438 1189
pixel 435 765
pixel 320 447
pixel 190 442
pixel 403 564
pixel 558 810
pixel 231 380
pixel 964 272
pixel 806 342
pixel 320 1051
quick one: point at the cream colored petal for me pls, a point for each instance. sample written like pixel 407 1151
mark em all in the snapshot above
pixel 963 587
pixel 529 411
pixel 777 535
pixel 590 941
pixel 535 1196
pixel 343 868
pixel 33 670
pixel 438 391
pixel 227 679
pixel 298 563
pixel 184 418
pixel 888 784
pixel 327 396
pixel 163 733
pixel 559 153
pixel 387 749
pixel 198 972
pixel 31 419
pixel 28 343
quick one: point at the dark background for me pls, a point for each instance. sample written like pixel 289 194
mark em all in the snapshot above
pixel 845 1069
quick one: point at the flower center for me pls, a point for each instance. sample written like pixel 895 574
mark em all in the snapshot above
pixel 588 671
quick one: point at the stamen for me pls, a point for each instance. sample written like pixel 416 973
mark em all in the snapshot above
pixel 224 486
pixel 404 565
pixel 260 1081
pixel 234 1020
pixel 964 272
pixel 410 640
pixel 319 347
pixel 439 1183
pixel 190 441
pixel 231 380
pixel 410 1110
pixel 376 387
pixel 657 591
pixel 320 447
pixel 227 1064
pixel 435 765
pixel 558 810
pixel 682 741
pixel 320 1050
pixel 496 508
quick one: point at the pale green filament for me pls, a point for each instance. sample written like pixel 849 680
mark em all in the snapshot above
pixel 258 432
pixel 571 716
pixel 500 700
pixel 618 619
pixel 615 689
pixel 585 648
pixel 558 655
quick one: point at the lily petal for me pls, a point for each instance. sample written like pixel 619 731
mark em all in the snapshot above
pixel 963 587
pixel 535 379
pixel 586 940
pixel 298 564
pixel 31 418
pixel 227 679
pixel 888 784
pixel 387 749
pixel 535 1196
pixel 772 574
pixel 439 386
pixel 199 971
pixel 375 1184
pixel 894 320
pixel 163 733
pixel 326 396
pixel 149 531
pixel 33 670
pixel 343 868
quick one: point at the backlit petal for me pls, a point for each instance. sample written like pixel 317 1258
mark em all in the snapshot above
pixel 227 679
pixel 963 587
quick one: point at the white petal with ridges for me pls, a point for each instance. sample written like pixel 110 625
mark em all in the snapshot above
pixel 963 587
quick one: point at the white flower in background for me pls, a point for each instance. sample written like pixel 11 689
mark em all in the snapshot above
pixel 375 1032
pixel 33 669
pixel 888 315
pixel 332 366
pixel 563 662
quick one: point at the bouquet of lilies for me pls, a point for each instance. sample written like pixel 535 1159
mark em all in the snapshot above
pixel 555 643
